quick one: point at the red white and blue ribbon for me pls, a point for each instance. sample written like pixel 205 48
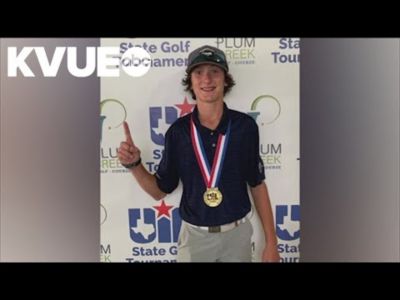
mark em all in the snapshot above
pixel 211 176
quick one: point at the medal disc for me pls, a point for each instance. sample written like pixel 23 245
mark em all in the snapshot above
pixel 212 197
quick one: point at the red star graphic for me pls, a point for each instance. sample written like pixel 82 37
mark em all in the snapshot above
pixel 163 209
pixel 185 108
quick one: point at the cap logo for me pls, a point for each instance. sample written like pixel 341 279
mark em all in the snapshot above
pixel 207 52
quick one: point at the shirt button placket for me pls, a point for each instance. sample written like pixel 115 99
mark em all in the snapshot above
pixel 212 139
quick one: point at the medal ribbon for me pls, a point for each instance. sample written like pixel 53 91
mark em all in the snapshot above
pixel 210 176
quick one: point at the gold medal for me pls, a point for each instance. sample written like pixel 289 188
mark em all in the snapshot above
pixel 212 197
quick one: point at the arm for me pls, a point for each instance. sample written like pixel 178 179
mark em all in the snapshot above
pixel 264 210
pixel 147 182
pixel 128 153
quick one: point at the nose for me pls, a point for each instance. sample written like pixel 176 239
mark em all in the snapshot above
pixel 206 76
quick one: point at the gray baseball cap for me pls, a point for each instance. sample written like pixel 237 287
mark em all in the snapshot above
pixel 207 55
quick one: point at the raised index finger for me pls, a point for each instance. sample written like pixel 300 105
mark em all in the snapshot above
pixel 128 133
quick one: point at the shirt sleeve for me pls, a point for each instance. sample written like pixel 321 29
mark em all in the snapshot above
pixel 167 175
pixel 255 167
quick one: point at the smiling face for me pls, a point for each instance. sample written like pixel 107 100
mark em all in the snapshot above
pixel 208 83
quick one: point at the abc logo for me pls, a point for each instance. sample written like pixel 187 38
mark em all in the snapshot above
pixel 136 61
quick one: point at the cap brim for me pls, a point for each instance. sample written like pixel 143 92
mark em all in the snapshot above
pixel 190 68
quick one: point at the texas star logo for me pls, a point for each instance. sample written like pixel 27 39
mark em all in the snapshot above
pixel 162 117
pixel 288 222
pixel 148 224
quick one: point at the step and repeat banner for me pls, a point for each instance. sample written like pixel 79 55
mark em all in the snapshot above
pixel 136 228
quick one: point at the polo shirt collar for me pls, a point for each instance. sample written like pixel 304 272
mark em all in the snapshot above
pixel 222 126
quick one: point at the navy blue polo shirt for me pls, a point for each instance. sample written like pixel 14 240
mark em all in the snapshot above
pixel 242 166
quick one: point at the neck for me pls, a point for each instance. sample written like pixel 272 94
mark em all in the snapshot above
pixel 210 114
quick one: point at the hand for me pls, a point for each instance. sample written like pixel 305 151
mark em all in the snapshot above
pixel 270 254
pixel 127 152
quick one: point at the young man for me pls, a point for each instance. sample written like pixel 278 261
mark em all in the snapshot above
pixel 214 151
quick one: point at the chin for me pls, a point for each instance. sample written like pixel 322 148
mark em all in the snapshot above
pixel 210 100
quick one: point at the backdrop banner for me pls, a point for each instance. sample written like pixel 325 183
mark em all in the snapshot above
pixel 134 227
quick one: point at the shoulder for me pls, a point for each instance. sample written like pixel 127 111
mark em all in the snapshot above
pixel 179 125
pixel 243 119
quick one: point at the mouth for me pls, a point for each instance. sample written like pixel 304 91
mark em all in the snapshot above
pixel 208 89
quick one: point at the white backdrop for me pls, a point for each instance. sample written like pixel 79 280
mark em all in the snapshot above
pixel 134 227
